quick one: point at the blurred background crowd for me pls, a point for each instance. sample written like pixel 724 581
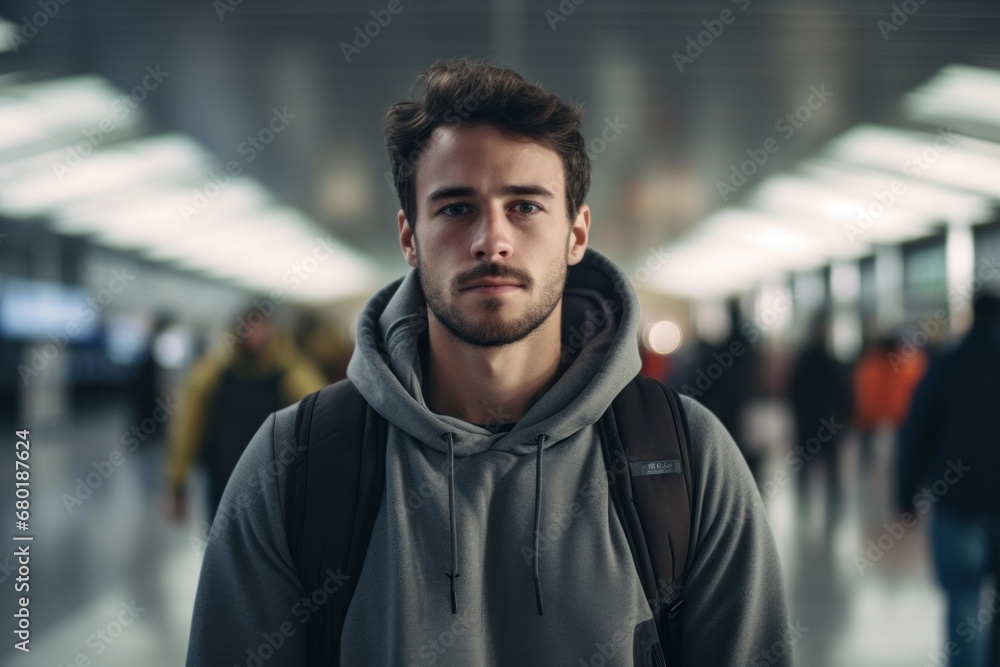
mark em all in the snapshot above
pixel 195 204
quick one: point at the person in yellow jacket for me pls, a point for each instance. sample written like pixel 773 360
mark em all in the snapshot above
pixel 228 395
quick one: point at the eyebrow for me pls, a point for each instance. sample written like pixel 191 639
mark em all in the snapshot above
pixel 452 192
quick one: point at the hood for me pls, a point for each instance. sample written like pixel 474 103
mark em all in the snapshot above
pixel 599 321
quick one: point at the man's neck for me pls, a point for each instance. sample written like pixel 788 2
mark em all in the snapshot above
pixel 494 385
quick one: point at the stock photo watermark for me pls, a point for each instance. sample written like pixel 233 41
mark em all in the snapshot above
pixel 381 19
pixel 30 26
pixel 781 648
pixel 605 652
pixel 723 360
pixel 656 259
pixel 559 525
pixel 914 167
pixel 967 629
pixel 929 327
pixel 103 638
pixel 223 7
pixel 611 131
pixel 87 311
pixel 714 28
pixel 562 12
pixel 900 14
pixel 800 455
pixel 249 148
pixel 595 320
pixel 264 308
pixel 302 611
pixel 786 126
pixel 122 108
pixel 433 649
pixel 923 501
pixel 130 440
pixel 229 509
pixel 706 377
pixel 767 318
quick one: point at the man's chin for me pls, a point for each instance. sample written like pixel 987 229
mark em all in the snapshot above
pixel 493 329
pixel 490 321
pixel 491 301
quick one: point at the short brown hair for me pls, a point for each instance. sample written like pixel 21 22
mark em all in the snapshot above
pixel 464 91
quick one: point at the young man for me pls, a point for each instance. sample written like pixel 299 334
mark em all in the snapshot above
pixel 496 541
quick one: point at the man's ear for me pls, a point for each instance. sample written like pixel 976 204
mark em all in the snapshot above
pixel 407 239
pixel 579 233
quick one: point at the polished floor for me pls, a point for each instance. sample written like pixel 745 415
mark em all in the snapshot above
pixel 112 583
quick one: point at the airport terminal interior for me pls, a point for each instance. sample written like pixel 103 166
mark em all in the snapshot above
pixel 801 180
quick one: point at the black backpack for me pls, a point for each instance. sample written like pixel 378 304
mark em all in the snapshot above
pixel 336 484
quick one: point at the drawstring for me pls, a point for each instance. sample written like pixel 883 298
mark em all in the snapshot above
pixel 538 519
pixel 451 514
pixel 454 532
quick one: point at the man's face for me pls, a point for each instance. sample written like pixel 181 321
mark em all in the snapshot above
pixel 495 239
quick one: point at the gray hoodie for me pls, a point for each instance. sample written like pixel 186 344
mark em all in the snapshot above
pixel 454 573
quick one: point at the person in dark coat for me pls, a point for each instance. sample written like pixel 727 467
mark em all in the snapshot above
pixel 146 395
pixel 820 397
pixel 948 455
pixel 228 394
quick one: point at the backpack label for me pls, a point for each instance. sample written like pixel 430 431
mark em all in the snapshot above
pixel 667 467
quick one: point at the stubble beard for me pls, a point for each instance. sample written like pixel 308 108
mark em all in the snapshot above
pixel 492 329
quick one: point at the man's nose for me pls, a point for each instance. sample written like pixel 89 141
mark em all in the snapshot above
pixel 492 241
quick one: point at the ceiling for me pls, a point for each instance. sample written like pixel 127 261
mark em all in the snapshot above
pixel 688 122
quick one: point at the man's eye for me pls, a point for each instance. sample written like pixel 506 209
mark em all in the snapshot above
pixel 455 209
pixel 527 208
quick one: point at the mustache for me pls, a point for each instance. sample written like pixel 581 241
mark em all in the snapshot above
pixel 493 271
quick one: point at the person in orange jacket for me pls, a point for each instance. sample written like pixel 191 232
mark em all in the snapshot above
pixel 884 380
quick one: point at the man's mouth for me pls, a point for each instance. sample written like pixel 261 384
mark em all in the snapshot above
pixel 492 287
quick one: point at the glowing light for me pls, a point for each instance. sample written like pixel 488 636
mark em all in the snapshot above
pixel 663 337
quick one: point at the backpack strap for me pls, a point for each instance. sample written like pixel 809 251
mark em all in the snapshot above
pixel 341 464
pixel 648 457
pixel 646 451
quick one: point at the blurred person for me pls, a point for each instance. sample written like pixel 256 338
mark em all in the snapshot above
pixel 820 397
pixel 686 363
pixel 324 346
pixel 907 376
pixel 504 346
pixel 227 397
pixel 147 397
pixel 724 377
pixel 151 403
pixel 948 454
pixel 883 379
pixel 871 380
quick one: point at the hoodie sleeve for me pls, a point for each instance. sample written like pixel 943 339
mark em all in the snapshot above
pixel 735 611
pixel 249 590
